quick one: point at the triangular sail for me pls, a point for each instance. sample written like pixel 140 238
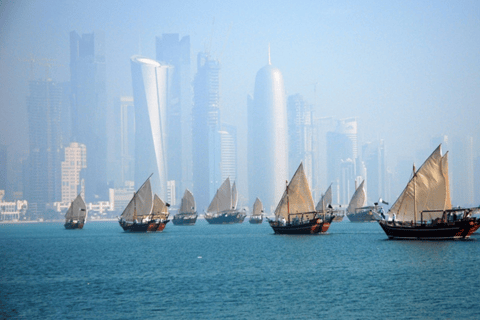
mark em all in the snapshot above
pixel 325 200
pixel 234 196
pixel 429 188
pixel 297 198
pixel 141 204
pixel 160 209
pixel 77 210
pixel 223 198
pixel 188 203
pixel 257 208
pixel 358 200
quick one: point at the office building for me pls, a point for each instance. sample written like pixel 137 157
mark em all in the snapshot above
pixel 73 182
pixel 150 93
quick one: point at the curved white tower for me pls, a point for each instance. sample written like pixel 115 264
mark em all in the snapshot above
pixel 150 92
pixel 267 138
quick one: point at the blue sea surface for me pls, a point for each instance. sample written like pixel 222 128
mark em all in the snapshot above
pixel 238 271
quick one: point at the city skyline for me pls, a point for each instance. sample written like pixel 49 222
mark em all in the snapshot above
pixel 405 81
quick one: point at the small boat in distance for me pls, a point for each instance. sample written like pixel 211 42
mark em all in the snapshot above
pixel 223 208
pixel 424 209
pixel 187 214
pixel 357 210
pixel 295 213
pixel 257 212
pixel 76 215
pixel 144 212
pixel 325 204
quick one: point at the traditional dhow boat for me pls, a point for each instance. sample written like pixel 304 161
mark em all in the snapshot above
pixel 187 214
pixel 295 213
pixel 257 212
pixel 424 210
pixel 223 208
pixel 76 215
pixel 324 205
pixel 357 210
pixel 145 212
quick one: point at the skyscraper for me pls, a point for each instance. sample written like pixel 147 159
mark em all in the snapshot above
pixel 205 130
pixel 175 52
pixel 73 181
pixel 150 93
pixel 342 158
pixel 228 162
pixel 43 168
pixel 89 106
pixel 373 155
pixel 267 138
pixel 300 135
pixel 124 140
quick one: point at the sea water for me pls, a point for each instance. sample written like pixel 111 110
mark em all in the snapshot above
pixel 240 271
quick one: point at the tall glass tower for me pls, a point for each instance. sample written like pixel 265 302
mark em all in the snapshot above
pixel 174 51
pixel 267 138
pixel 150 93
pixel 89 108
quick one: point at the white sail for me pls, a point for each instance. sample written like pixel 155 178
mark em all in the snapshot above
pixel 325 200
pixel 359 199
pixel 77 210
pixel 188 203
pixel 257 208
pixel 428 189
pixel 223 198
pixel 141 204
pixel 297 198
pixel 160 209
pixel 234 197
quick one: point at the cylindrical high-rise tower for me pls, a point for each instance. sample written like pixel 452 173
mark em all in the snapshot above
pixel 267 138
pixel 150 93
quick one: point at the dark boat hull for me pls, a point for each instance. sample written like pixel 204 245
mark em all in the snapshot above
pixel 74 225
pixel 461 229
pixel 255 220
pixel 313 226
pixel 226 219
pixel 184 221
pixel 152 226
pixel 363 216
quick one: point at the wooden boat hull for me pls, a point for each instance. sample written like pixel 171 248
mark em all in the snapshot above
pixel 313 226
pixel 255 220
pixel 362 216
pixel 184 221
pixel 461 229
pixel 152 226
pixel 74 225
pixel 226 218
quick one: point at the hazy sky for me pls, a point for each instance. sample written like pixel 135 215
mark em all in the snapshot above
pixel 408 70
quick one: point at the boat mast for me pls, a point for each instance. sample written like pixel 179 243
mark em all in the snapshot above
pixel 288 202
pixel 414 196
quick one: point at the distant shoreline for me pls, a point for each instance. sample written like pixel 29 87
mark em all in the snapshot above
pixel 54 221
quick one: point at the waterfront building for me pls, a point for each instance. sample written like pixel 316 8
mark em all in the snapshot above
pixel 124 141
pixel 206 148
pixel 89 107
pixel 172 50
pixel 267 138
pixel 150 93
pixel 42 170
pixel 228 162
pixel 373 156
pixel 73 181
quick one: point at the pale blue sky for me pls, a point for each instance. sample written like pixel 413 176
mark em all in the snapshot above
pixel 408 70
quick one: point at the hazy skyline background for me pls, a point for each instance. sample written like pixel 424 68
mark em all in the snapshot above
pixel 408 71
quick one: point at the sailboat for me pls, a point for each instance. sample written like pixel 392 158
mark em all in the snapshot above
pixel 325 204
pixel 357 210
pixel 424 209
pixel 223 208
pixel 187 214
pixel 257 213
pixel 76 215
pixel 145 212
pixel 295 213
